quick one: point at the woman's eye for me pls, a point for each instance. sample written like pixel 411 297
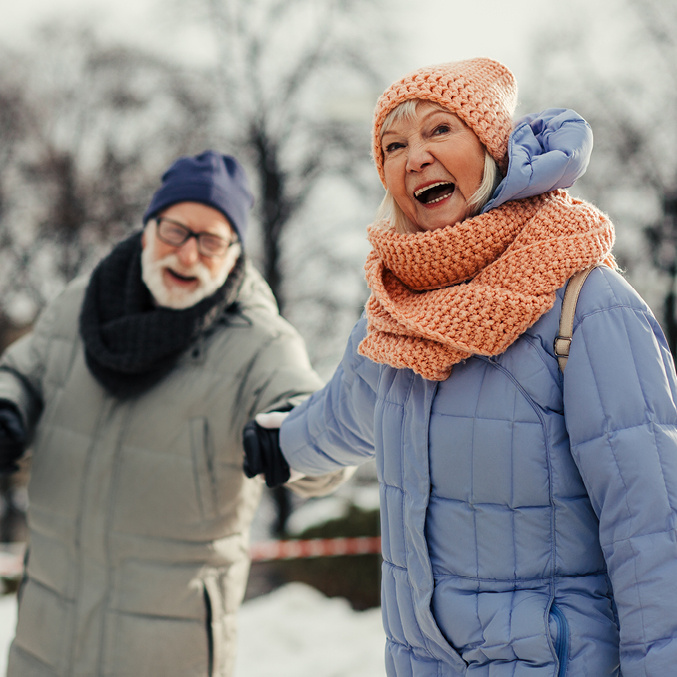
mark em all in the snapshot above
pixel 391 147
pixel 441 129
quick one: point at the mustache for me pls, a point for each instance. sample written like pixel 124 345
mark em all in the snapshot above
pixel 198 270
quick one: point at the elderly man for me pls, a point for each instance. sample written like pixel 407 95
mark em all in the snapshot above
pixel 133 390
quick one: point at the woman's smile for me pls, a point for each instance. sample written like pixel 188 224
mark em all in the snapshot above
pixel 435 193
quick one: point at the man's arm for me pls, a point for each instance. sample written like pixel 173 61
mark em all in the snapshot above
pixel 328 435
pixel 281 379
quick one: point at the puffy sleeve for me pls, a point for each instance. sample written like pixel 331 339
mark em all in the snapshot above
pixel 334 428
pixel 280 377
pixel 620 395
pixel 24 363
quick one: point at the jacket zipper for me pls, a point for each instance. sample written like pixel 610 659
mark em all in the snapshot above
pixel 562 643
pixel 210 632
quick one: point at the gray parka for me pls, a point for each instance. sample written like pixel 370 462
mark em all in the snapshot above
pixel 139 509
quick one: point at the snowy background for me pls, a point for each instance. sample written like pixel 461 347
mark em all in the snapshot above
pixel 295 629
pixel 438 31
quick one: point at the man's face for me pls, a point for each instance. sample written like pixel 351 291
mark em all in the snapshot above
pixel 181 275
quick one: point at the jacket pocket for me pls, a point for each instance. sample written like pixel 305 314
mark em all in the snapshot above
pixel 559 632
pixel 203 467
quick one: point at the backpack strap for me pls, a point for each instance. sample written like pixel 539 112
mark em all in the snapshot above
pixel 562 341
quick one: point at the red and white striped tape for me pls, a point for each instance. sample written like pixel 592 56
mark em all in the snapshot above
pixel 11 563
pixel 266 551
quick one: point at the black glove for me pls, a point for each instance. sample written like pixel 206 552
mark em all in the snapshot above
pixel 12 438
pixel 262 454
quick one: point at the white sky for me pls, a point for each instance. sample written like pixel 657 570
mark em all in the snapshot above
pixel 434 31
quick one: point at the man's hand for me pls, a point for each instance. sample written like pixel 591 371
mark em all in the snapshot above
pixel 262 454
pixel 12 438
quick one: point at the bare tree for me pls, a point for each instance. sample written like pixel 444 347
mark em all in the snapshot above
pixel 288 73
pixel 86 129
pixel 100 123
pixel 626 87
pixel 296 81
pixel 13 115
pixel 290 92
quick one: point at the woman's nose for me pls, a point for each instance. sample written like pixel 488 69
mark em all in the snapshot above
pixel 418 157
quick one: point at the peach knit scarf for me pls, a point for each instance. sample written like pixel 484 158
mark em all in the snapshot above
pixel 438 297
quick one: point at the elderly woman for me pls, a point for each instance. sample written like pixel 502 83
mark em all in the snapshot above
pixel 528 512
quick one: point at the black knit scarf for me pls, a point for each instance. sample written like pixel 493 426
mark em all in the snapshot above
pixel 131 344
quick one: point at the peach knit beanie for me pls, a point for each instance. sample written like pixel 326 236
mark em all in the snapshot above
pixel 482 92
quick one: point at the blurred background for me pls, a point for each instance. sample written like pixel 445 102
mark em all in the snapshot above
pixel 98 98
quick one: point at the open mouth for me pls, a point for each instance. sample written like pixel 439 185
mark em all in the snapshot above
pixel 436 192
pixel 181 279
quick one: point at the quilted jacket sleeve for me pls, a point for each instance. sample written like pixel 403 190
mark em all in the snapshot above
pixel 280 378
pixel 334 428
pixel 22 368
pixel 620 394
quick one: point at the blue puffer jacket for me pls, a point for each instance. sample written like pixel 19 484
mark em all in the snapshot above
pixel 528 515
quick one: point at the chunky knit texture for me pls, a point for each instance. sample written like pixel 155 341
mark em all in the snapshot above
pixel 440 296
pixel 482 92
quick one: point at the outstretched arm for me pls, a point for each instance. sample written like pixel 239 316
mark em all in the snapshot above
pixel 334 428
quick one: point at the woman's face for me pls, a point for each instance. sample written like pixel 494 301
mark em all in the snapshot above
pixel 433 164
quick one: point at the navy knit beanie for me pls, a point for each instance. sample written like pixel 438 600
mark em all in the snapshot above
pixel 210 178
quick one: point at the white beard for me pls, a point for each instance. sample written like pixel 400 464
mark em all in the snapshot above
pixel 175 297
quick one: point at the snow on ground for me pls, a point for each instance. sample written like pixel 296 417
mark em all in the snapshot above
pixel 7 623
pixel 295 631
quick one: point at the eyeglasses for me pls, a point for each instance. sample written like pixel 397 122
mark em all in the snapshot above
pixel 176 234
